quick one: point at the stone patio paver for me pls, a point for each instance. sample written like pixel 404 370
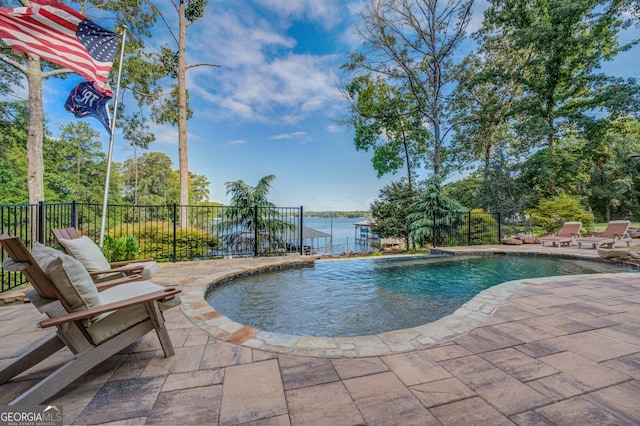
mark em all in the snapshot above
pixel 252 392
pixel 472 411
pixel 327 404
pixel 384 400
pixel 553 351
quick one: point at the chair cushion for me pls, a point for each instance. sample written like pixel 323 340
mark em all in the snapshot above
pixel 111 323
pixel 87 252
pixel 150 269
pixel 68 275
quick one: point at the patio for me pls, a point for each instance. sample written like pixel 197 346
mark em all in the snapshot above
pixel 547 351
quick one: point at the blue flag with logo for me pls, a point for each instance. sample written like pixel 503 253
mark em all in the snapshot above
pixel 86 100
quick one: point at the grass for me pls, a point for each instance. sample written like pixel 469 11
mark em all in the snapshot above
pixel 599 227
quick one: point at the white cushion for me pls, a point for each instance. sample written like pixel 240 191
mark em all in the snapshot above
pixel 112 323
pixel 87 252
pixel 68 275
pixel 150 269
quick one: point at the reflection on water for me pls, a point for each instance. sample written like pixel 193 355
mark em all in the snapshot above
pixel 369 296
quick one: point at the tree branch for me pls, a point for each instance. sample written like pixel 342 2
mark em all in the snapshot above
pixel 56 72
pixel 166 23
pixel 203 65
pixel 13 63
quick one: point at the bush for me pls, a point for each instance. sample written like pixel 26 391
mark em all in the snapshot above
pixel 551 214
pixel 120 248
pixel 156 241
pixel 483 228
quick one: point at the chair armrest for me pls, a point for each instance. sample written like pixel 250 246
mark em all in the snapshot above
pixel 160 295
pixel 126 270
pixel 117 281
pixel 128 262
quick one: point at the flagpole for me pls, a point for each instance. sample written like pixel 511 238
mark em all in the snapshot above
pixel 111 139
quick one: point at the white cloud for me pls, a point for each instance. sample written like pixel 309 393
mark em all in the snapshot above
pixel 293 135
pixel 236 142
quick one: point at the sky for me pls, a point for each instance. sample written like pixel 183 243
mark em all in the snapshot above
pixel 274 105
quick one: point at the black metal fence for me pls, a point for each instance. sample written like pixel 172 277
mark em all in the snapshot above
pixel 212 231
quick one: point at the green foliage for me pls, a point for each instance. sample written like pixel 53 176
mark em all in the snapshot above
pixel 613 171
pixel 151 180
pixel 195 9
pixel 551 214
pixel 391 210
pixel 483 228
pixel 387 122
pixel 500 191
pixel 551 172
pixel 120 248
pixel 252 212
pixel 431 206
pixel 14 117
pixel 75 165
pixel 167 111
pixel 156 239
pixel 465 191
pixel 564 42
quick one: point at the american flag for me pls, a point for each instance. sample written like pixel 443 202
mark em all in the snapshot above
pixel 63 36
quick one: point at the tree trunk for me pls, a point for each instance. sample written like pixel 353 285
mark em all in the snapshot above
pixel 182 118
pixel 35 177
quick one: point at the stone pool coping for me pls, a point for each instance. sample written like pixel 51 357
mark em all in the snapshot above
pixel 470 315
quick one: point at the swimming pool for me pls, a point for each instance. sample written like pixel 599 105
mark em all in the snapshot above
pixel 370 296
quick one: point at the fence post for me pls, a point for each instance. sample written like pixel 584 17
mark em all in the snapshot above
pixel 301 239
pixel 255 231
pixel 469 229
pixel 499 228
pixel 74 214
pixel 175 232
pixel 41 221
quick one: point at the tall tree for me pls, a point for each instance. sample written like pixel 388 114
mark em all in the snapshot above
pixel 412 44
pixel 175 108
pixel 567 42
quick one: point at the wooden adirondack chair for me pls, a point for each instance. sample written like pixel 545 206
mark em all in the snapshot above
pixel 89 254
pixel 93 321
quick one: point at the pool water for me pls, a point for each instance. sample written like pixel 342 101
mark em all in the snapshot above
pixel 369 296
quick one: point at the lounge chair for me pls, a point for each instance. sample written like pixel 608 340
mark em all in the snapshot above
pixel 89 254
pixel 569 232
pixel 93 321
pixel 615 231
